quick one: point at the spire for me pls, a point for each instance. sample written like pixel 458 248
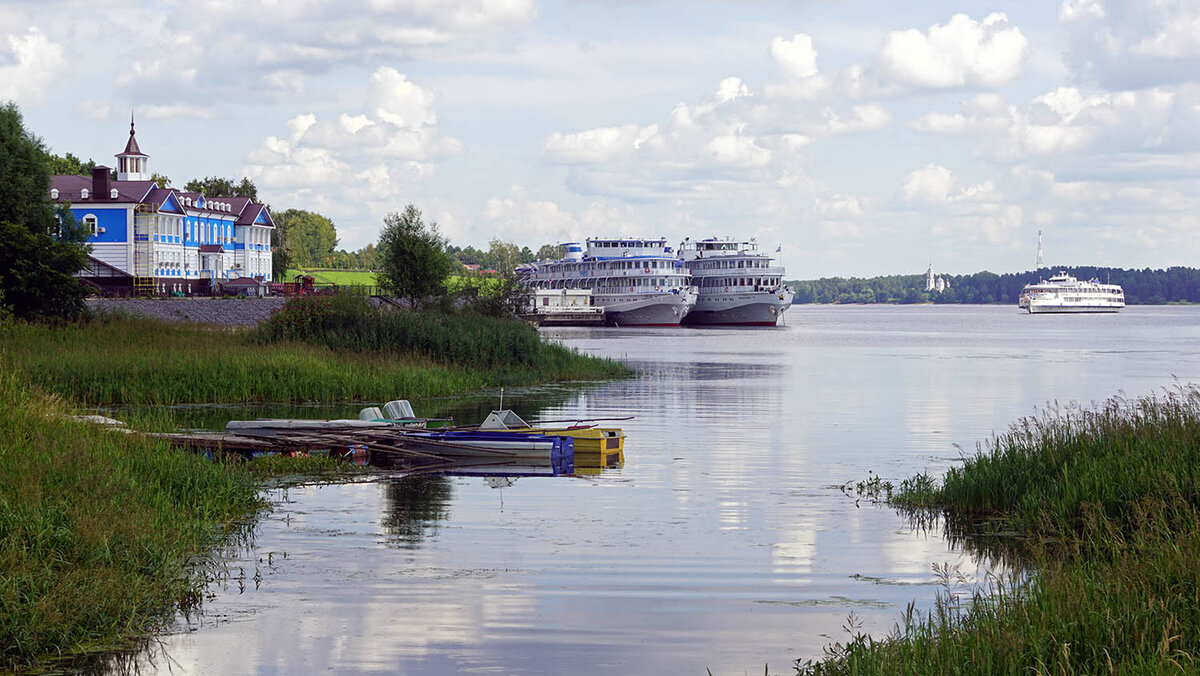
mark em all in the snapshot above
pixel 1040 263
pixel 132 148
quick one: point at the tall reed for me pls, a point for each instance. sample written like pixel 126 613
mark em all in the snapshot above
pixel 123 361
pixel 1106 504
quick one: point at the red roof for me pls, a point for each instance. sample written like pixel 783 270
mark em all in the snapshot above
pixel 70 189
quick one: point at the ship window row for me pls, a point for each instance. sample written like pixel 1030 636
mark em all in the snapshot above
pixel 621 283
pixel 617 265
pixel 727 282
pixel 627 244
pixel 727 265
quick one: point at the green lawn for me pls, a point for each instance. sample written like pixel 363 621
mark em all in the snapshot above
pixel 339 277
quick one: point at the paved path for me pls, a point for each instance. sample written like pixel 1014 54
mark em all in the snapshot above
pixel 219 311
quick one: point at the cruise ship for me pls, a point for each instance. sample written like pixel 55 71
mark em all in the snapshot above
pixel 1064 293
pixel 736 284
pixel 638 282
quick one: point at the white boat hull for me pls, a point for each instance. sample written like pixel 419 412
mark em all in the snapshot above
pixel 1035 308
pixel 646 309
pixel 756 308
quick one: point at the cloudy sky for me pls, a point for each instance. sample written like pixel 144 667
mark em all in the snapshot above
pixel 864 137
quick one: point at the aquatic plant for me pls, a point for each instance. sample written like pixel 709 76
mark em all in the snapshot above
pixel 1106 504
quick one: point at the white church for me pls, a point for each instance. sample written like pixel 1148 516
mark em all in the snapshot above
pixel 158 241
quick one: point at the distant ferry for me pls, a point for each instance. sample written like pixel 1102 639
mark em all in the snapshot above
pixel 736 284
pixel 1064 293
pixel 638 282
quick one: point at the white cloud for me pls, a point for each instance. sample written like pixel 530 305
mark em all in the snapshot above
pixel 36 63
pixel 537 219
pixel 1131 44
pixel 354 166
pixel 1067 122
pixel 596 146
pixel 796 57
pixel 961 53
pixel 930 184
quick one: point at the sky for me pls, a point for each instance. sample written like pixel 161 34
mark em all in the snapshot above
pixel 859 138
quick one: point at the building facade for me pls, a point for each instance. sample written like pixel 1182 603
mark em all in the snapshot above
pixel 160 240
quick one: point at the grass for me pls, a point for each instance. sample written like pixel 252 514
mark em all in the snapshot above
pixel 97 528
pixel 1103 506
pixel 334 276
pixel 123 361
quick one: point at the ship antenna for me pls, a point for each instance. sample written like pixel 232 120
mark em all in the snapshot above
pixel 501 398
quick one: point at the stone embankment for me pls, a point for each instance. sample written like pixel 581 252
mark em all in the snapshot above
pixel 219 311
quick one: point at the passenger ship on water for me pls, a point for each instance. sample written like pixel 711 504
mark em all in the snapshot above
pixel 1064 293
pixel 638 282
pixel 736 284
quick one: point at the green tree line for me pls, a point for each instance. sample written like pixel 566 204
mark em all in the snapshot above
pixel 1142 287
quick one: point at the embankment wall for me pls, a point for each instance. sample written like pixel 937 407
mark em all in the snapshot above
pixel 218 311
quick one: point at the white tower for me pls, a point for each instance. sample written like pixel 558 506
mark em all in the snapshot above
pixel 930 283
pixel 131 164
pixel 1040 263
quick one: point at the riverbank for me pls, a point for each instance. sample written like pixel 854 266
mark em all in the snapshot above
pixel 310 353
pixel 97 529
pixel 1104 508
pixel 104 535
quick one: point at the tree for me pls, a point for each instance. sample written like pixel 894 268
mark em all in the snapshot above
pixel 162 180
pixel 307 238
pixel 550 252
pixel 40 250
pixel 503 256
pixel 215 186
pixel 70 165
pixel 413 262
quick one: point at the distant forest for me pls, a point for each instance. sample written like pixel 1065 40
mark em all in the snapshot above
pixel 1142 287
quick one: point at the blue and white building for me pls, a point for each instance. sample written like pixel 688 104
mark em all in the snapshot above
pixel 162 240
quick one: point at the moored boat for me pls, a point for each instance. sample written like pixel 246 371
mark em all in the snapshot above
pixel 474 443
pixel 638 282
pixel 396 413
pixel 736 284
pixel 594 446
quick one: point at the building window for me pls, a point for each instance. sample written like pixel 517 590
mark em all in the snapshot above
pixel 91 224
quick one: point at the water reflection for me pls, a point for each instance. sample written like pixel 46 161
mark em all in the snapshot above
pixel 414 507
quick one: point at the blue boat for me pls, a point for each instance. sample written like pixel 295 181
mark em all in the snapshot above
pixel 479 444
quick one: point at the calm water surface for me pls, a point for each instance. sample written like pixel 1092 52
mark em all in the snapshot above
pixel 724 542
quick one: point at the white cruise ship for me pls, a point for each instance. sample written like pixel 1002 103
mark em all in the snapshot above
pixel 1064 293
pixel 638 282
pixel 736 284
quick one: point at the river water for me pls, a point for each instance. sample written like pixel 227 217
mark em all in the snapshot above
pixel 723 543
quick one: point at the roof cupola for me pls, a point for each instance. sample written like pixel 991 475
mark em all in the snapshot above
pixel 132 163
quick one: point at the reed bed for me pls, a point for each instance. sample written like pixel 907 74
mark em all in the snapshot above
pixel 1106 504
pixel 97 529
pixel 122 361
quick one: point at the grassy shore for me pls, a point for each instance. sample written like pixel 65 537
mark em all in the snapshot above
pixel 308 352
pixel 1103 507
pixel 96 529
pixel 101 533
